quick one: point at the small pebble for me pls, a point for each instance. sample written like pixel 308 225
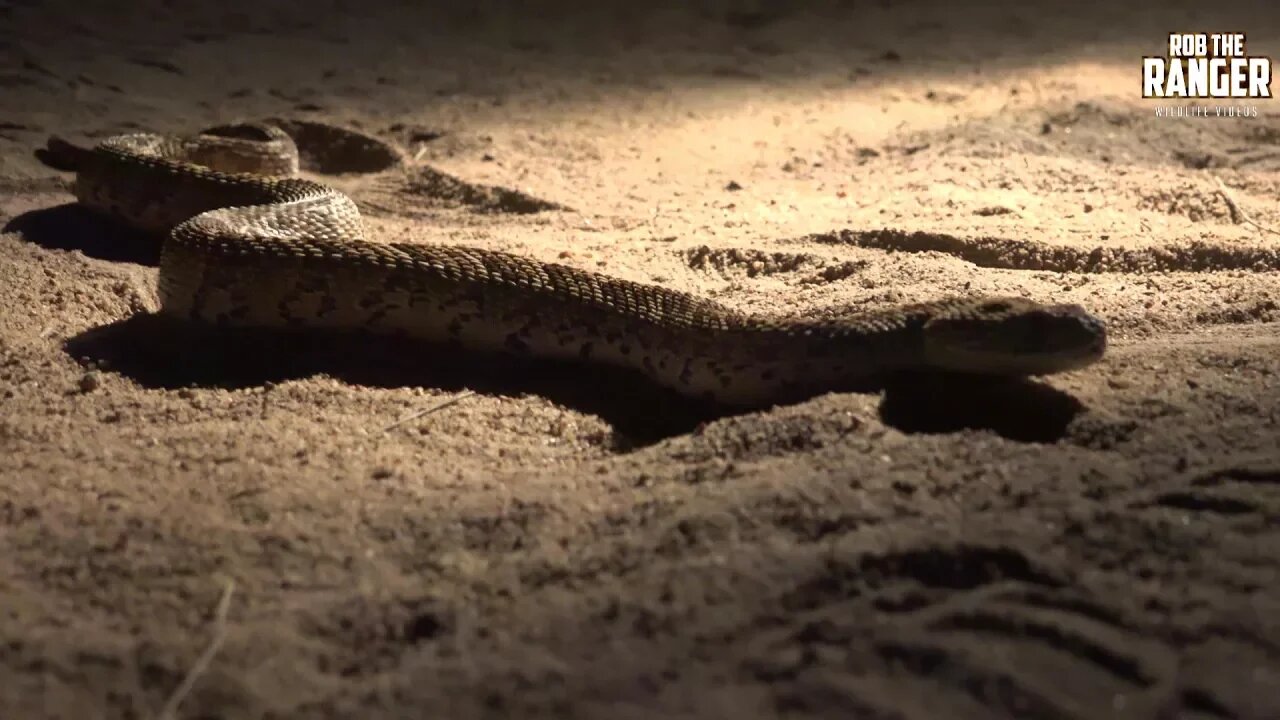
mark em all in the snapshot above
pixel 90 382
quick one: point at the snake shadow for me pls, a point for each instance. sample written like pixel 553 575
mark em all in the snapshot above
pixel 74 227
pixel 160 352
pixel 1019 409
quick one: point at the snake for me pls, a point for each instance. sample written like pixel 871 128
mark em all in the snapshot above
pixel 249 243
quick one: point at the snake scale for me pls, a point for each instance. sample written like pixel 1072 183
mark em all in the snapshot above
pixel 246 243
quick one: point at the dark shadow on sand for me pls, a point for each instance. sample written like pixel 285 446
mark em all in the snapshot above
pixel 1018 409
pixel 73 227
pixel 159 352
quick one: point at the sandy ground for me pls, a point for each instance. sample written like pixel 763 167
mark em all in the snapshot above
pixel 563 542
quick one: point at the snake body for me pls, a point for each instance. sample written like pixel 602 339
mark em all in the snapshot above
pixel 247 244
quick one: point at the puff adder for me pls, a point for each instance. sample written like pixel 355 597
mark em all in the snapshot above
pixel 247 244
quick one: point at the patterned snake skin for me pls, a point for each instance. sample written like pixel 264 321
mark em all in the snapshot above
pixel 248 245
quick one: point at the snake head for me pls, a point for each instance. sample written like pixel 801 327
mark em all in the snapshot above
pixel 1012 336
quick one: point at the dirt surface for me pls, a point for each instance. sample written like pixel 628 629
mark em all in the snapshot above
pixel 567 542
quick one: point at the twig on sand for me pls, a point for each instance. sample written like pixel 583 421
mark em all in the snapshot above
pixel 438 406
pixel 1238 215
pixel 170 709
